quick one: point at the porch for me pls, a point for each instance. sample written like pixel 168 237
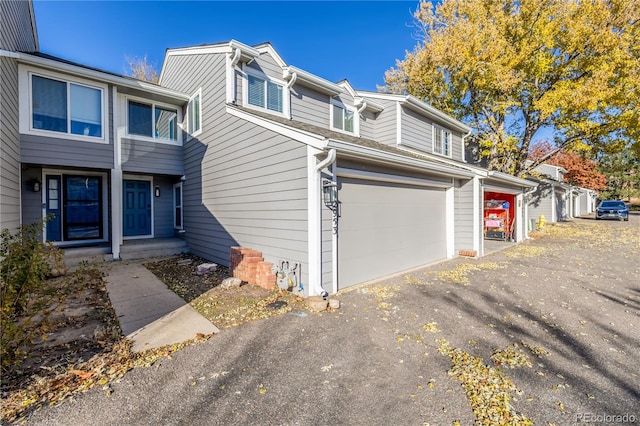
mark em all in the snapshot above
pixel 130 249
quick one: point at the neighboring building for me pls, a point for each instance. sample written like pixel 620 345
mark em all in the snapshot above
pixel 552 197
pixel 234 147
pixel 17 33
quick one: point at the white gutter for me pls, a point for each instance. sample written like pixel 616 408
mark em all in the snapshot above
pixel 363 151
pixel 511 179
pixel 97 75
pixel 318 83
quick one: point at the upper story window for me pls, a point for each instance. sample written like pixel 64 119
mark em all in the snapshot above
pixel 66 107
pixel 264 93
pixel 153 121
pixel 342 118
pixel 194 114
pixel 442 141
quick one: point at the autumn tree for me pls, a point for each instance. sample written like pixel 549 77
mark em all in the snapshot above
pixel 622 170
pixel 581 171
pixel 512 68
pixel 141 69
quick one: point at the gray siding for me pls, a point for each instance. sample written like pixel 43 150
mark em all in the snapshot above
pixel 65 152
pixel 9 145
pixel 416 131
pixel 386 124
pixel 151 157
pixel 463 215
pixel 541 202
pixel 244 185
pixel 267 65
pixel 16 32
pixel 31 201
pixel 309 107
pixel 367 125
pixel 327 248
pixel 457 150
pixel 163 208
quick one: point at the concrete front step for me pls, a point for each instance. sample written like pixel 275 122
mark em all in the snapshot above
pixel 141 249
pixel 131 249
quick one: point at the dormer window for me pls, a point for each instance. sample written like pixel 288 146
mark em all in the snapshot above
pixel 441 141
pixel 263 93
pixel 342 119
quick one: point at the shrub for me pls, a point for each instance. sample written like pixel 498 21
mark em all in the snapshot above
pixel 25 262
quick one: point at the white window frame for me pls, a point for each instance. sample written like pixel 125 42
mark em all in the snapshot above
pixel 191 133
pixel 246 71
pixel 180 206
pixel 441 131
pixel 154 104
pixel 25 88
pixel 356 118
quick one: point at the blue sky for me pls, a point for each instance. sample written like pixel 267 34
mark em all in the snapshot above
pixel 357 40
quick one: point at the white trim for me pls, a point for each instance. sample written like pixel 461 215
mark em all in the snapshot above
pixel 388 157
pixel 103 76
pixel 187 117
pixel 504 190
pixel 313 81
pixel 286 92
pixel 146 178
pixel 356 117
pixel 450 229
pixel 387 177
pixel 266 48
pixel 230 77
pixel 307 138
pixel 125 114
pixel 398 124
pixel 419 106
pixel 314 217
pixel 25 88
pixel 520 219
pixel 104 200
pixel 116 180
pixel 478 210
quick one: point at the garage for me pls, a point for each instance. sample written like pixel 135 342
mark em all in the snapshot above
pixel 387 227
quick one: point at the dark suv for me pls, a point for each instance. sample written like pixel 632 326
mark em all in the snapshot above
pixel 612 210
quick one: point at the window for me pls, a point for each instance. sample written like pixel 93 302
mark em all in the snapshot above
pixel 194 112
pixel 152 121
pixel 442 141
pixel 177 206
pixel 264 93
pixel 65 107
pixel 342 119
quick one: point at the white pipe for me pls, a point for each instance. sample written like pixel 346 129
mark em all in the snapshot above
pixel 319 290
pixel 362 103
pixel 236 57
pixel 291 77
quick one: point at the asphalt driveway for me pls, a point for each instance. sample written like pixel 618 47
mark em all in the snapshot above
pixel 564 308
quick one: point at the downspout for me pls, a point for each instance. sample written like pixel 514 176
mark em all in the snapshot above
pixel 236 57
pixel 319 290
pixel 291 78
pixel 362 103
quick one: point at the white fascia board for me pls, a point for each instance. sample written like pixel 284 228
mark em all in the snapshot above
pixel 511 179
pixel 268 48
pixel 34 28
pixel 318 83
pixel 477 171
pixel 51 64
pixel 366 152
pixel 308 138
pixel 371 105
pixel 422 107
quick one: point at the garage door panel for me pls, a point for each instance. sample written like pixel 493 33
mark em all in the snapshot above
pixel 386 228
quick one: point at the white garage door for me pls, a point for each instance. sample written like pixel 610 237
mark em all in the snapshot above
pixel 386 228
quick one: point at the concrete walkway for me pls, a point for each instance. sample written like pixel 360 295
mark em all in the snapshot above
pixel 150 313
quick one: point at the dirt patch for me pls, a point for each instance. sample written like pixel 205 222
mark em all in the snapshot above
pixel 225 308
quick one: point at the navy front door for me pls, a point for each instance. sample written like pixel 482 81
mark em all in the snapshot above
pixel 137 208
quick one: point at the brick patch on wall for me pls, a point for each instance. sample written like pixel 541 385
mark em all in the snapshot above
pixel 249 265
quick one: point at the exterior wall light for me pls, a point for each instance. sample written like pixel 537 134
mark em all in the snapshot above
pixel 330 194
pixel 35 185
pixel 157 191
